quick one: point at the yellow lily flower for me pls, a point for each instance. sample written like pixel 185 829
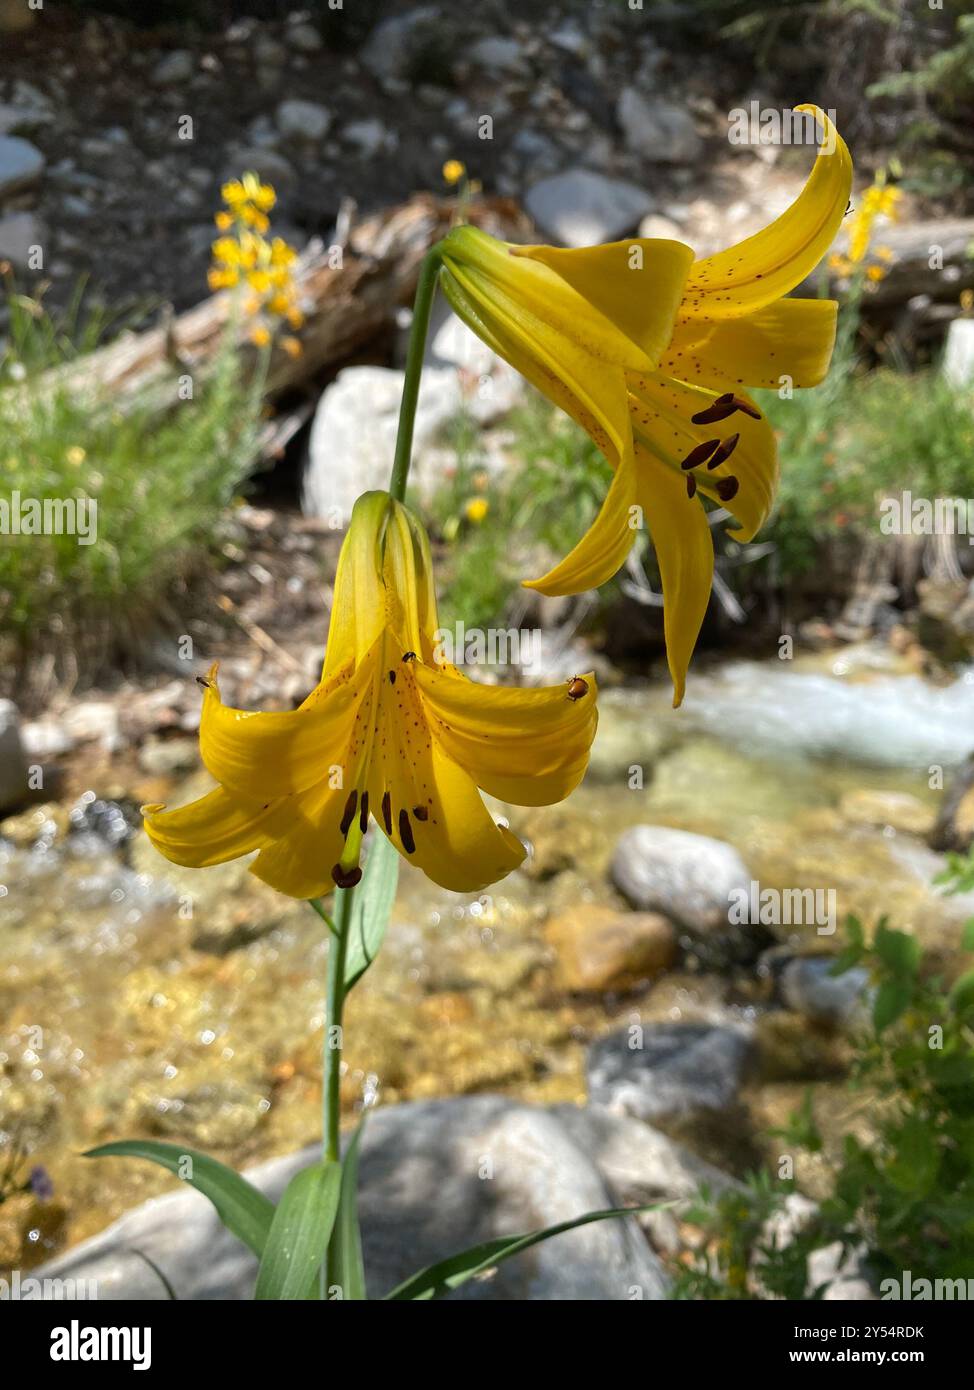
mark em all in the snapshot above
pixel 390 731
pixel 649 349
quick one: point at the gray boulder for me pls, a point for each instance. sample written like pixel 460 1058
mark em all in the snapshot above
pixel 690 878
pixel 669 1071
pixel 582 208
pixel 435 1178
pixel 21 165
pixel 807 986
pixel 657 130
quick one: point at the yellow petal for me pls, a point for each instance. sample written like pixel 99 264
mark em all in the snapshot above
pixel 458 846
pixel 792 339
pixel 637 285
pixel 522 275
pixel 358 606
pixel 261 755
pixel 766 266
pixel 605 545
pixel 300 862
pixel 684 549
pixel 661 415
pixel 592 392
pixel 216 828
pixel 530 747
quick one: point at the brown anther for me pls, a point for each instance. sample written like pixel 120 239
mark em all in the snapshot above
pixel 346 878
pixel 421 812
pixel 701 452
pixel 392 677
pixel 387 812
pixel 201 680
pixel 406 832
pixel 717 410
pixel 363 815
pixel 348 815
pixel 409 656
pixel 727 488
pixel 691 485
pixel 722 407
pixel 746 408
pixel 724 452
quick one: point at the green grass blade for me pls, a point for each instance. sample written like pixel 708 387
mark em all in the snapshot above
pixel 244 1211
pixel 299 1233
pixel 371 909
pixel 346 1268
pixel 438 1279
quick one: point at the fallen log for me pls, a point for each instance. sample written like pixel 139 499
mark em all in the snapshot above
pixel 347 299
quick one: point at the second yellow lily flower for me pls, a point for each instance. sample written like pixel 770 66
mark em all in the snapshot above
pixel 651 351
pixel 391 733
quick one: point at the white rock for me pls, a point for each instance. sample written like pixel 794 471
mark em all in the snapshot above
pixel 174 68
pixel 582 208
pixel 690 878
pixel 20 233
pixel 21 165
pixel 369 137
pixel 495 54
pixel 656 226
pixel 394 43
pixel 304 38
pixel 93 721
pixel 303 120
pixel 657 130
pixel 958 363
pixel 353 435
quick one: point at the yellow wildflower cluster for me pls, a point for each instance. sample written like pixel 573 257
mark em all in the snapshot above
pixel 880 200
pixel 243 255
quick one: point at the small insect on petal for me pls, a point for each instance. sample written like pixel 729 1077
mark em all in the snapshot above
pixel 724 452
pixel 409 656
pixel 577 688
pixel 201 680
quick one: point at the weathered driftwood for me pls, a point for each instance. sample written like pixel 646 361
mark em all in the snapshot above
pixel 345 306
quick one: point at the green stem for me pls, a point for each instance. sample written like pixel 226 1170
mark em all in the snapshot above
pixel 332 1059
pixel 422 306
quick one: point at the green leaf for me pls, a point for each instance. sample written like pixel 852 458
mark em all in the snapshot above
pixel 345 1266
pixel 962 993
pixel 440 1278
pixel 371 909
pixel 967 940
pixel 897 951
pixel 244 1211
pixel 298 1239
pixel 892 999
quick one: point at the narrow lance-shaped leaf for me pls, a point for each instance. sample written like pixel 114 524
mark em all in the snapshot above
pixel 371 909
pixel 448 1274
pixel 345 1265
pixel 298 1239
pixel 245 1211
